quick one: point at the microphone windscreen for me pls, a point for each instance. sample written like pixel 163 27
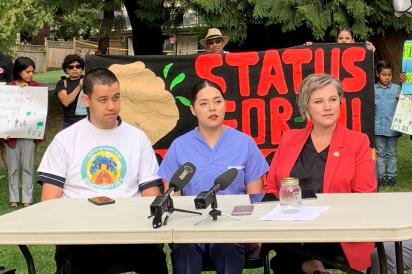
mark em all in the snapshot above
pixel 226 178
pixel 182 176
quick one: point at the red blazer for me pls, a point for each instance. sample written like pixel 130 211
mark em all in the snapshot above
pixel 350 167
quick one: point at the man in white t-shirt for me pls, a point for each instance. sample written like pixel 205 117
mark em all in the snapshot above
pixel 102 156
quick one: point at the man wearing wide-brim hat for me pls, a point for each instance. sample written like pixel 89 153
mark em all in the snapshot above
pixel 214 41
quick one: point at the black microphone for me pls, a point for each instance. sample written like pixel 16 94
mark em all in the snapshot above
pixel 225 179
pixel 205 198
pixel 180 178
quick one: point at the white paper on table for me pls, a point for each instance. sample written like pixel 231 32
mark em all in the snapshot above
pixel 305 213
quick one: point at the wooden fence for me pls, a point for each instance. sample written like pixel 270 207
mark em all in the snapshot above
pixel 52 53
pixel 36 53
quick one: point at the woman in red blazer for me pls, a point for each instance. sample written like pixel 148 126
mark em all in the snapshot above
pixel 327 158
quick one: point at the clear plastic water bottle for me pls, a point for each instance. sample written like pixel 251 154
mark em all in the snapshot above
pixel 290 195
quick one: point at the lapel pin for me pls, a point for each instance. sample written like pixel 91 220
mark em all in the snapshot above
pixel 336 154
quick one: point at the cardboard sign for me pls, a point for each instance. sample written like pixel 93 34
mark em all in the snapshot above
pixel 23 111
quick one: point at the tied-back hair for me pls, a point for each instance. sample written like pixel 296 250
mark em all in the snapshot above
pixel 314 82
pixel 100 76
pixel 345 28
pixel 201 85
pixel 383 64
pixel 20 64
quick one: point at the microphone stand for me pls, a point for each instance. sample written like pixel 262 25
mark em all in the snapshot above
pixel 171 209
pixel 157 220
pixel 216 212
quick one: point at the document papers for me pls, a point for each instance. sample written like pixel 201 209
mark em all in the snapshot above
pixel 305 213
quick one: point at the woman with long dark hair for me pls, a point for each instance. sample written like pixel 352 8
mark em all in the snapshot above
pixel 20 152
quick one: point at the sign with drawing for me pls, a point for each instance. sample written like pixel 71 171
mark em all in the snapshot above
pixel 402 120
pixel 23 111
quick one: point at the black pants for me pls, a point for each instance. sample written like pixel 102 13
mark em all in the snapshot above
pixel 110 259
pixel 289 261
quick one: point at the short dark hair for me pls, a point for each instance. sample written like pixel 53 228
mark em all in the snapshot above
pixel 70 59
pixel 20 64
pixel 201 85
pixel 383 64
pixel 101 76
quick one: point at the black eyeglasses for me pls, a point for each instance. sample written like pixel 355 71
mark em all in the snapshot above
pixel 74 66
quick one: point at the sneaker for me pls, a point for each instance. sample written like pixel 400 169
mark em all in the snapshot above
pixel 382 181
pixel 391 181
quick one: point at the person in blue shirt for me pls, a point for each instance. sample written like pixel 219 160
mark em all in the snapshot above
pixel 386 140
pixel 213 148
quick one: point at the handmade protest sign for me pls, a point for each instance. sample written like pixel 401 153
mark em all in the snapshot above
pixel 23 111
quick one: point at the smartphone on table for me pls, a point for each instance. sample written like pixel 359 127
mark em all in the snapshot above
pixel 242 210
pixel 101 200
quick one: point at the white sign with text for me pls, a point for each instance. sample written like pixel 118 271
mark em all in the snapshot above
pixel 23 111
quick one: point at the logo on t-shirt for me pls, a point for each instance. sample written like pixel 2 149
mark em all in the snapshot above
pixel 103 167
pixel 1 70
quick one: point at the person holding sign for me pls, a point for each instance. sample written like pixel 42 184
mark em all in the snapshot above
pixel 6 75
pixel 325 157
pixel 345 35
pixel 386 140
pixel 21 151
pixel 213 148
pixel 69 90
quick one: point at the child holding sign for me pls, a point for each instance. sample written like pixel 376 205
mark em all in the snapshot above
pixel 386 140
pixel 21 151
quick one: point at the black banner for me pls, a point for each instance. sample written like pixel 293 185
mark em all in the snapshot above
pixel 260 89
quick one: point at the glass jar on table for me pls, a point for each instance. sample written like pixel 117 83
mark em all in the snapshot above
pixel 290 195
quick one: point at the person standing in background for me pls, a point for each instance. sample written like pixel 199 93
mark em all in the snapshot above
pixel 214 41
pixel 6 75
pixel 346 36
pixel 69 90
pixel 6 68
pixel 386 140
pixel 21 151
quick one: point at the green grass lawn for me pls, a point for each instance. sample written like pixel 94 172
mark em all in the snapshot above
pixel 50 77
pixel 10 256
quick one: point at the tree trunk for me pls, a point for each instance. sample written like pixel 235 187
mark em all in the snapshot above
pixel 390 48
pixel 41 35
pixel 147 39
pixel 105 29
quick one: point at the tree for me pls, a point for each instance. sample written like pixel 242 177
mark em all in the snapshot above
pixel 262 24
pixel 321 17
pixel 146 20
pixel 81 17
pixel 21 16
pixel 79 22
